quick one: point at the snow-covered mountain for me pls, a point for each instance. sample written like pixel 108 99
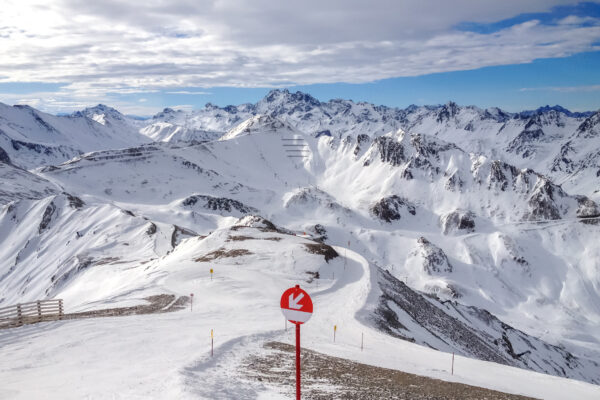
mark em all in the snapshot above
pixel 464 230
pixel 529 139
pixel 32 138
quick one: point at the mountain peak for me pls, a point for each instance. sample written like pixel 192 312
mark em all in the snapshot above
pixel 98 110
pixel 261 123
pixel 556 108
pixel 285 96
pixel 102 108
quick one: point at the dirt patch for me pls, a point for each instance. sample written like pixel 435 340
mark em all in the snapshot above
pixel 325 377
pixel 322 249
pixel 223 253
pixel 242 238
pixel 313 276
pixel 157 304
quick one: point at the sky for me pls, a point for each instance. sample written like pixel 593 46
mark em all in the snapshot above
pixel 140 57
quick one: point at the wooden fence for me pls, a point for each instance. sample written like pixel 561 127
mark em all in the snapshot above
pixel 30 313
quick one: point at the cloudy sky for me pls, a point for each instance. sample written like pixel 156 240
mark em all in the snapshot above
pixel 62 55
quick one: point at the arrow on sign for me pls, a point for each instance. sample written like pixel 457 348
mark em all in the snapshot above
pixel 294 301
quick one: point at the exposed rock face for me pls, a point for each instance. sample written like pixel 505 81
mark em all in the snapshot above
pixel 255 221
pixel 563 161
pixel 218 204
pixel 447 112
pixel 322 249
pixel 454 183
pixel 543 202
pixel 320 232
pixel 47 217
pixel 417 155
pixel 502 175
pixel 4 158
pixel 524 143
pixel 587 208
pixel 362 141
pixel 74 201
pixel 314 197
pixel 514 252
pixel 390 150
pixel 434 258
pixel 428 315
pixel 425 147
pixel 449 326
pixel 590 127
pixel 179 234
pixel 391 208
pixel 459 221
pixel 152 228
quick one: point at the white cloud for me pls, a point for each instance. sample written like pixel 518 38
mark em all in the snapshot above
pixel 109 46
pixel 563 89
pixel 189 92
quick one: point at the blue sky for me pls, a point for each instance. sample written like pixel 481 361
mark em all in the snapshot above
pixel 573 82
pixel 140 60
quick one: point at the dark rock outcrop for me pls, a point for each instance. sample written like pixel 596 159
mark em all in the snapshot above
pixel 450 326
pixel 543 202
pixel 460 221
pixel 49 212
pixel 390 150
pixel 218 204
pixel 390 208
pixel 434 258
pixel 179 234
pixel 4 158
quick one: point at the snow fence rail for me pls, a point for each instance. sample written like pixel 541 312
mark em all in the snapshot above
pixel 31 313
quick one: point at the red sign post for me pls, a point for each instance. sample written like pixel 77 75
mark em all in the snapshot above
pixel 297 308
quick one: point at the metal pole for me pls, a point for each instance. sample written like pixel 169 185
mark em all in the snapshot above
pixel 211 343
pixel 361 341
pixel 297 361
pixel 452 363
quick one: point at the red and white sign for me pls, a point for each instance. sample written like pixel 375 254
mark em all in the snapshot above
pixel 296 305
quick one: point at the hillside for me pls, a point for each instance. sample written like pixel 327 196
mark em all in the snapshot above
pixel 400 223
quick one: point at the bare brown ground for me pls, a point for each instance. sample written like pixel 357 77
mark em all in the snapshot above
pixel 326 377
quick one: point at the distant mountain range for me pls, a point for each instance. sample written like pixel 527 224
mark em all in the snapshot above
pixel 489 218
pixel 551 140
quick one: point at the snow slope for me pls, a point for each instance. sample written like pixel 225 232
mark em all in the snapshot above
pixel 170 352
pixel 529 139
pixel 33 138
pixel 435 238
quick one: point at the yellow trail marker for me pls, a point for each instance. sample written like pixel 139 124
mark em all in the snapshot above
pixel 211 272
